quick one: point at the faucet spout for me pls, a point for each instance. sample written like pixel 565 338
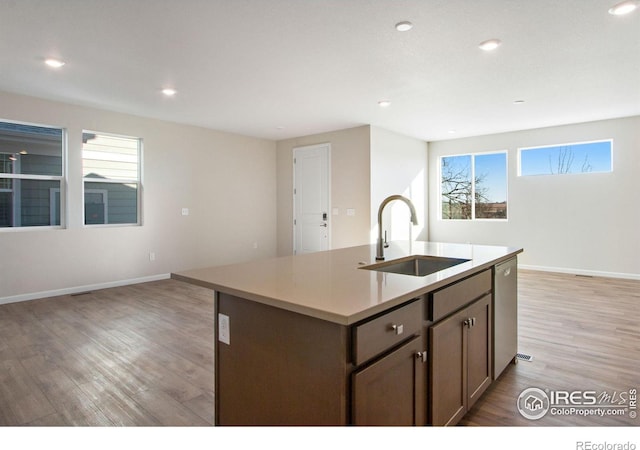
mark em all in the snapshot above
pixel 385 202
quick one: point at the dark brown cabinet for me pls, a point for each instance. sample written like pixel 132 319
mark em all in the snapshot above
pixel 424 361
pixel 388 384
pixel 392 390
pixel 460 363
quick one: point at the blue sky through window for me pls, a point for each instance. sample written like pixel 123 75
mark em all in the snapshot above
pixel 486 173
pixel 567 158
pixel 491 169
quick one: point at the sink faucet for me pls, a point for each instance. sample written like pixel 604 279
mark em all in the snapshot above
pixel 385 202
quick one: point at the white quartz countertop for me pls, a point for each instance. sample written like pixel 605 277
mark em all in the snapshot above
pixel 331 285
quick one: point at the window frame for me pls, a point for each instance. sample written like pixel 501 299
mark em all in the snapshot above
pixel 540 147
pixel 473 217
pixel 138 182
pixel 18 177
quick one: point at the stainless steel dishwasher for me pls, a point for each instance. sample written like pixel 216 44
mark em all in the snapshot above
pixel 505 315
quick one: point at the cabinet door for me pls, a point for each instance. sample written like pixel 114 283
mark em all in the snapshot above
pixel 447 371
pixel 392 390
pixel 478 349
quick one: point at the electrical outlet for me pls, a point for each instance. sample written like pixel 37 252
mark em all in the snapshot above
pixel 152 256
pixel 224 335
pixel 351 212
pixel 185 211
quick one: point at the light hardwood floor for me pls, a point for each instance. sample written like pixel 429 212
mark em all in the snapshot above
pixel 584 334
pixel 143 354
pixel 135 355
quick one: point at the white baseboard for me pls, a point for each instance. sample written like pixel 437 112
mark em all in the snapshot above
pixel 589 273
pixel 78 289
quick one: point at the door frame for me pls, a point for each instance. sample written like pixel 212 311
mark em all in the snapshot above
pixel 326 145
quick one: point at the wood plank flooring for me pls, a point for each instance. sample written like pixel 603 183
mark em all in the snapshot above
pixel 135 355
pixel 142 355
pixel 584 334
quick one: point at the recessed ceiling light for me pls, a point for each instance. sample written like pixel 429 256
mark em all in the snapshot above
pixel 518 102
pixel 489 45
pixel 384 103
pixel 452 131
pixel 55 63
pixel 279 127
pixel 24 152
pixel 404 26
pixel 623 8
pixel 169 92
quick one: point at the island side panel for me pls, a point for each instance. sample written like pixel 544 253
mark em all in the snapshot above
pixel 280 367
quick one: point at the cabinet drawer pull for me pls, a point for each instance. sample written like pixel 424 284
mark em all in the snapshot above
pixel 422 356
pixel 397 329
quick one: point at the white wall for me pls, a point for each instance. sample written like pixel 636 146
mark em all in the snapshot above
pixel 350 180
pixel 582 223
pixel 398 166
pixel 227 181
pixel 367 165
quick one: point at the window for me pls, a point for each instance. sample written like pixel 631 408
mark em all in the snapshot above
pixel 584 157
pixel 112 179
pixel 31 175
pixel 474 186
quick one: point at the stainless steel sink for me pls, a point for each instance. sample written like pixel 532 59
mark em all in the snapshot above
pixel 418 265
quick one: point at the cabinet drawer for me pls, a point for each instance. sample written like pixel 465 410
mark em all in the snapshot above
pixel 377 335
pixel 451 298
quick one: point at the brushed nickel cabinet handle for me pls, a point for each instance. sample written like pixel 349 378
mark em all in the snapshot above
pixel 397 329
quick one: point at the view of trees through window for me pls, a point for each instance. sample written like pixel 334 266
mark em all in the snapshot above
pixel 474 186
pixel 585 157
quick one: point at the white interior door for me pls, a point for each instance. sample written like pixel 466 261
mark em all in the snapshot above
pixel 311 224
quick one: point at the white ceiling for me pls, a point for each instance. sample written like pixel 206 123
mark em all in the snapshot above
pixel 284 68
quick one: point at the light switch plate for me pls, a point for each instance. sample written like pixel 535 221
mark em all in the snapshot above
pixel 185 211
pixel 224 335
pixel 351 212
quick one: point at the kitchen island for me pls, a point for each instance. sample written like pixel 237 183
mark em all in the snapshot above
pixel 326 339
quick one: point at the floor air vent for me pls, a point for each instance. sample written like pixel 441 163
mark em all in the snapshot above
pixel 523 357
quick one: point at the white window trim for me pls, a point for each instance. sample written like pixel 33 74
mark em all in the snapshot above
pixel 473 186
pixel 536 147
pixel 17 217
pixel 139 183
